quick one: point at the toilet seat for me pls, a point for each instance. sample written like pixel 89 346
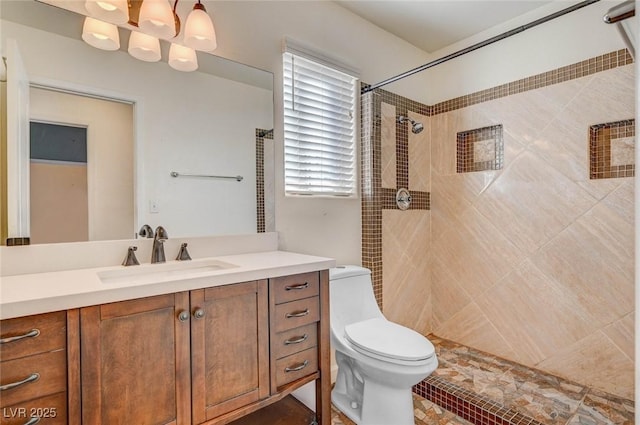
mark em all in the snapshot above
pixel 390 342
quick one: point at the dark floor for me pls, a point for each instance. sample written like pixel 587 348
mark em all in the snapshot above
pixel 527 394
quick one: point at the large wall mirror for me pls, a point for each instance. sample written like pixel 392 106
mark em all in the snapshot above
pixel 215 121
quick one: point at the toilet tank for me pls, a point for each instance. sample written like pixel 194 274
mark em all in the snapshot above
pixel 352 298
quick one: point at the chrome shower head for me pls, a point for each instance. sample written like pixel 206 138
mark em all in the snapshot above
pixel 416 127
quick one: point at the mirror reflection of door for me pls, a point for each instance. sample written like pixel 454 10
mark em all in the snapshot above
pixel 58 183
pixel 81 182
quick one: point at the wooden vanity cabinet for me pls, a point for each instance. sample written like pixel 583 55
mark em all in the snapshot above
pixel 201 357
pixel 135 362
pixel 33 370
pixel 229 348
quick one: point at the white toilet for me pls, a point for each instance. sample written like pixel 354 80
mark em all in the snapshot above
pixel 378 361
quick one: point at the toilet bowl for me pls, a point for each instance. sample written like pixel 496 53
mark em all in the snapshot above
pixel 378 361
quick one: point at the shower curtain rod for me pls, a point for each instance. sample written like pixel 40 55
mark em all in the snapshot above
pixel 368 88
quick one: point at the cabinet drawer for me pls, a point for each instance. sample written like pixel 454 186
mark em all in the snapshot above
pixel 295 340
pixel 289 288
pixel 51 370
pixel 297 313
pixel 296 366
pixel 25 336
pixel 52 410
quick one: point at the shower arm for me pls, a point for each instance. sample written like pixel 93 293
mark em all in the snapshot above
pixel 368 88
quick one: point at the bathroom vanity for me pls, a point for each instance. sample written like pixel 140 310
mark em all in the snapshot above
pixel 172 344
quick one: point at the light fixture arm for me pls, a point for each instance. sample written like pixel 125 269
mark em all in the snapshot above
pixel 176 18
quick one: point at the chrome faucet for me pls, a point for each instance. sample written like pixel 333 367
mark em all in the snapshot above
pixel 157 252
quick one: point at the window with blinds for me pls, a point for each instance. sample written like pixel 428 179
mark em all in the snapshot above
pixel 319 129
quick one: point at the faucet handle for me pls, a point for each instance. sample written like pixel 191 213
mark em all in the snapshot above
pixel 130 259
pixel 145 231
pixel 183 254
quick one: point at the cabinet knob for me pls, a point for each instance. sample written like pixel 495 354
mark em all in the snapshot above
pixel 199 313
pixel 183 316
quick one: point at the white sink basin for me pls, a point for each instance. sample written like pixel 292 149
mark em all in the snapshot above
pixel 175 270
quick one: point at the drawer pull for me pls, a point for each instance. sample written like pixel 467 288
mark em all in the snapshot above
pixel 296 340
pixel 33 420
pixel 300 313
pixel 31 378
pixel 297 286
pixel 297 368
pixel 31 334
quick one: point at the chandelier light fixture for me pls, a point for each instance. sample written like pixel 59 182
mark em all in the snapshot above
pixel 199 33
pixel 182 58
pixel 116 11
pixel 100 34
pixel 155 20
pixel 144 47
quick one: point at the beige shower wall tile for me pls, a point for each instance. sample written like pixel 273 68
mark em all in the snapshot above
pixel 452 195
pixel 564 145
pixel 531 202
pixel 621 332
pixel 622 199
pixel 593 258
pixel 608 96
pixel 596 362
pixel 443 142
pixel 420 155
pixel 475 253
pixel 471 327
pixel 526 115
pixel 539 313
pixel 388 145
pixel 406 287
pixel 451 297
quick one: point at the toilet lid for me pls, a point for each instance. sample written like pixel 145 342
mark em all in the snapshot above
pixel 389 340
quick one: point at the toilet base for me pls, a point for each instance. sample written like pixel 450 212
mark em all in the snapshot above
pixel 381 405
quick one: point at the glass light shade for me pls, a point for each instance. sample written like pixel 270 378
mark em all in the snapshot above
pixel 199 33
pixel 100 34
pixel 116 11
pixel 144 47
pixel 182 58
pixel 156 18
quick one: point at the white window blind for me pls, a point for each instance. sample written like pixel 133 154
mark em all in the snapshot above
pixel 319 129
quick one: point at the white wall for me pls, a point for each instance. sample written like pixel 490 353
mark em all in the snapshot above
pixel 569 39
pixel 186 122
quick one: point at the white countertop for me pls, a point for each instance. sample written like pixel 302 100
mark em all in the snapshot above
pixel 26 294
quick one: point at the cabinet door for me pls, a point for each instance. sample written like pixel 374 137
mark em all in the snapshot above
pixel 230 348
pixel 135 362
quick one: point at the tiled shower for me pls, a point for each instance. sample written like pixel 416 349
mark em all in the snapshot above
pixel 519 238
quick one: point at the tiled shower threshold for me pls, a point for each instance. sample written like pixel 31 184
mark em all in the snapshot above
pixel 473 387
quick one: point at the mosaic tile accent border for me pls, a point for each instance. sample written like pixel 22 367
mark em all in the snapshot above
pixel 468 405
pixel 611 149
pixel 566 73
pixel 480 149
pixel 261 134
pixel 375 198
